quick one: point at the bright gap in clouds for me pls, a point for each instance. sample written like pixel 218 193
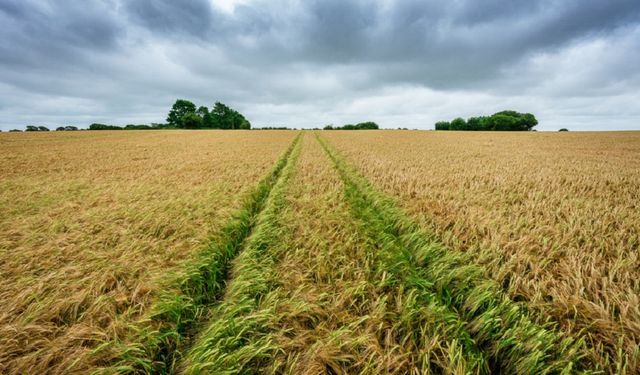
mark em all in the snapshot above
pixel 227 6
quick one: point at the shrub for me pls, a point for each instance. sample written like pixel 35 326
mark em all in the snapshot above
pixel 103 127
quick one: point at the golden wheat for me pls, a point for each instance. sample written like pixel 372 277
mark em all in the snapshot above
pixel 91 223
pixel 552 217
pixel 330 275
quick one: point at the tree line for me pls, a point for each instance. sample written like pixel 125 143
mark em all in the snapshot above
pixel 96 126
pixel 369 125
pixel 500 121
pixel 183 115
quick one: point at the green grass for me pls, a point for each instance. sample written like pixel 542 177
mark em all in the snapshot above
pixel 237 339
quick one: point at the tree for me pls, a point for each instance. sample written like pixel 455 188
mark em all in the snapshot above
pixel 244 123
pixel 179 109
pixel 202 111
pixel 31 128
pixel 518 121
pixel 477 123
pixel 458 124
pixel 223 117
pixel 43 129
pixel 504 120
pixel 60 129
pixel 219 117
pixel 370 125
pixel 563 130
pixel 191 121
pixel 70 128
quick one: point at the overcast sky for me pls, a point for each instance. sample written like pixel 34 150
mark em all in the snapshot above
pixel 573 63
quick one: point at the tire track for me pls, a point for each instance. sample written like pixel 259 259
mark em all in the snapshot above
pixel 159 339
pixel 237 339
pixel 449 282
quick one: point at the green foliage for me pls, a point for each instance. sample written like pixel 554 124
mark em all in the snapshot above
pixel 191 121
pixel 224 117
pixel 237 341
pixel 458 124
pixel 443 125
pixel 15 131
pixel 33 128
pixel 96 126
pixel 563 130
pixel 500 121
pixel 138 127
pixel 184 115
pixel 202 111
pixel 179 109
pixel 368 125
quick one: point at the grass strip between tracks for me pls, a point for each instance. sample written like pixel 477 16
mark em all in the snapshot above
pixel 237 339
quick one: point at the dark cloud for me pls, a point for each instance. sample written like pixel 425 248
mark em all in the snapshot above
pixel 190 17
pixel 332 60
pixel 53 37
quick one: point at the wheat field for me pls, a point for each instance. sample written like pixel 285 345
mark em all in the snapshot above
pixel 327 252
pixel 92 222
pixel 553 218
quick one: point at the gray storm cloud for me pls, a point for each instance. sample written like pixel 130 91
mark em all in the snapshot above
pixel 308 63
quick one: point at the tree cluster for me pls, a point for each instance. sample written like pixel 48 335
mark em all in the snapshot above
pixel 95 126
pixel 33 128
pixel 369 125
pixel 66 128
pixel 127 127
pixel 185 115
pixel 501 121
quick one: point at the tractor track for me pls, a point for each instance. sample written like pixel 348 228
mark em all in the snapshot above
pixel 496 335
pixel 176 317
